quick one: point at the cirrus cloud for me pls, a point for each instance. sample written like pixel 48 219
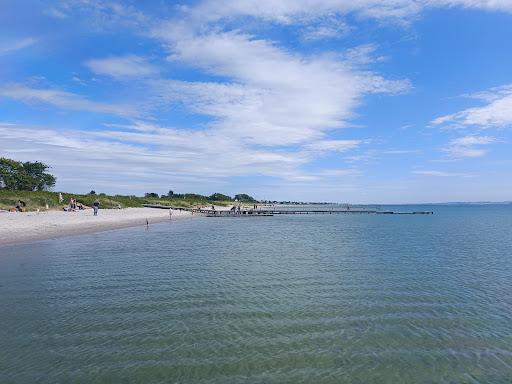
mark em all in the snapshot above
pixel 63 99
pixel 468 146
pixel 120 67
pixel 8 47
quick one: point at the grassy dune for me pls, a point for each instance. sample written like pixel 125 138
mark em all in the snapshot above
pixel 35 200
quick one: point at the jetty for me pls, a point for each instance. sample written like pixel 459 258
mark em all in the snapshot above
pixel 262 212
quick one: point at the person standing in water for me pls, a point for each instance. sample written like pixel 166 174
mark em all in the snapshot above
pixel 96 206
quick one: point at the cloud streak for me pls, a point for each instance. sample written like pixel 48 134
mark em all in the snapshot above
pixel 154 156
pixel 120 67
pixel 62 99
pixel 303 11
pixel 433 173
pixel 8 47
pixel 468 146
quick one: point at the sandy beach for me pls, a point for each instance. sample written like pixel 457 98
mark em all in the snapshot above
pixel 26 226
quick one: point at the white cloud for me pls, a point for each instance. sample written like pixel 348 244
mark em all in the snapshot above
pixel 63 99
pixel 497 113
pixel 157 158
pixel 260 96
pixel 326 28
pixel 441 174
pixel 339 172
pixel 304 11
pixel 294 11
pixel 8 47
pixel 400 151
pixel 488 5
pixel 154 156
pixel 492 94
pixel 362 54
pixel 468 146
pixel 56 13
pixel 122 67
pixel 99 14
pixel 323 17
pixel 473 140
pixel 266 94
pixel 333 145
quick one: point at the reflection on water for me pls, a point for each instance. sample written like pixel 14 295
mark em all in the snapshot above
pixel 290 299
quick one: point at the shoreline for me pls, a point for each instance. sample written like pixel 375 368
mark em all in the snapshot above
pixel 22 227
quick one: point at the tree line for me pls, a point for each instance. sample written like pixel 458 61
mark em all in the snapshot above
pixel 243 197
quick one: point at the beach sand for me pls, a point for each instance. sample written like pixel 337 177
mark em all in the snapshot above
pixel 19 227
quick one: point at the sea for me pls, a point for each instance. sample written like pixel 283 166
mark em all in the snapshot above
pixel 334 298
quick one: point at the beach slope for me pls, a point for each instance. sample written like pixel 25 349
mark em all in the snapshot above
pixel 19 227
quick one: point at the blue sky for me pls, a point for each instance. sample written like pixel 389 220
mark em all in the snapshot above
pixel 359 101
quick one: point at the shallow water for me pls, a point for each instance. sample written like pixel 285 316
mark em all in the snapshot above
pixel 283 299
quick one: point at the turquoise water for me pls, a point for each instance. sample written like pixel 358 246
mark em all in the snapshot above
pixel 283 299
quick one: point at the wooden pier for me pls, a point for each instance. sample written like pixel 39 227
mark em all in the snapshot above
pixel 250 212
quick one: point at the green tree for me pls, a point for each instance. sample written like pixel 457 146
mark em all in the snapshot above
pixel 245 197
pixel 12 175
pixel 28 176
pixel 219 197
pixel 40 180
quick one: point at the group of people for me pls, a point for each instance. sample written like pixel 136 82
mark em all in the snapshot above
pixel 73 205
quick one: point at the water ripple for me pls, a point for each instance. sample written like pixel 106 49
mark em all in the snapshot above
pixel 316 299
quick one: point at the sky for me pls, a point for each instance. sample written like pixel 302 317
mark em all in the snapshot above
pixel 361 101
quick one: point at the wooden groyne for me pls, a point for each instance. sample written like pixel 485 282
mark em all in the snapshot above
pixel 271 212
pixel 351 211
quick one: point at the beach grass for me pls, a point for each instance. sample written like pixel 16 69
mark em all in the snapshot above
pixel 38 200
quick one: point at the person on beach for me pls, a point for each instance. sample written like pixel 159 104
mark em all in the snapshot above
pixel 96 206
pixel 170 213
pixel 20 205
pixel 72 205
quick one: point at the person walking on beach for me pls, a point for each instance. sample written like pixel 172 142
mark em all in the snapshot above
pixel 96 206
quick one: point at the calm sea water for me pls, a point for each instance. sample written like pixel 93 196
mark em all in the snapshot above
pixel 284 299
